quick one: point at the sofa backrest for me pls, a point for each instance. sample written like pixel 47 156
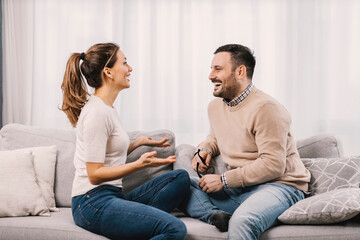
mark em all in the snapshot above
pixel 318 146
pixel 15 136
pixel 323 145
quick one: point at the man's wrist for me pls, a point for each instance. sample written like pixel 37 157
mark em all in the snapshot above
pixel 224 181
pixel 203 150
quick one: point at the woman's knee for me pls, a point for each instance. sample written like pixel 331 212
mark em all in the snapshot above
pixel 176 230
pixel 183 177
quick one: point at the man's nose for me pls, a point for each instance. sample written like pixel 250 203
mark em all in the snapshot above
pixel 211 76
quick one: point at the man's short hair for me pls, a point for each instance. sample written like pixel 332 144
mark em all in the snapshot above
pixel 240 55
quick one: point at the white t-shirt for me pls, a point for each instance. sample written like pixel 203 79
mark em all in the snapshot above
pixel 100 138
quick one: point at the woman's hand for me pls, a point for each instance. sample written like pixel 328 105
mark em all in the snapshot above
pixel 147 141
pixel 149 160
pixel 98 173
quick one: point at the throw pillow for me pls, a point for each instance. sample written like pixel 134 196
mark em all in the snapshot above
pixel 330 207
pixel 332 173
pixel 44 165
pixel 184 156
pixel 138 178
pixel 20 194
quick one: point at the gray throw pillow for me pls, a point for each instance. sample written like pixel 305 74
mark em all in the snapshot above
pixel 184 156
pixel 322 145
pixel 140 177
pixel 333 173
pixel 330 207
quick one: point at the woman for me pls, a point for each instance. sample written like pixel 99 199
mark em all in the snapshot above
pixel 102 146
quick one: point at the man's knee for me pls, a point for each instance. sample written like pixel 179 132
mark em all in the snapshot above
pixel 245 227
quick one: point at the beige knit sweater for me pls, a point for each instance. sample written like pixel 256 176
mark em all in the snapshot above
pixel 254 140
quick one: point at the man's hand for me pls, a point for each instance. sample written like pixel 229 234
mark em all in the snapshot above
pixel 211 183
pixel 202 167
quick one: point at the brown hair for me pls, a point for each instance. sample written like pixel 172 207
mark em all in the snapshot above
pixel 73 86
pixel 240 55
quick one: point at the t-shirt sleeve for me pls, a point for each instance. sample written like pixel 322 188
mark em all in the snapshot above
pixel 95 133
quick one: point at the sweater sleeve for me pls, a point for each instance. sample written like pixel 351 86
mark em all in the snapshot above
pixel 271 129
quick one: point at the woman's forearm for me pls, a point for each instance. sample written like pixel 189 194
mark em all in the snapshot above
pixel 133 145
pixel 98 173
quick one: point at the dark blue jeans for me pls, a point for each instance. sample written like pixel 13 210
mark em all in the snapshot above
pixel 140 214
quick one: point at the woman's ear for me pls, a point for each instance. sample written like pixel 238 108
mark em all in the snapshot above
pixel 108 73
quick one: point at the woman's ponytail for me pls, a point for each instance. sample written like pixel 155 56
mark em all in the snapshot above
pixel 74 89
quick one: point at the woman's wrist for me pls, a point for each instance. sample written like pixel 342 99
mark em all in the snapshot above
pixel 137 143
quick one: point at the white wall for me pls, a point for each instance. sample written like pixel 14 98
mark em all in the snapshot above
pixel 307 57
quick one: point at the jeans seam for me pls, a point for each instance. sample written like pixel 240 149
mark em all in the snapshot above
pixel 234 200
pixel 84 218
pixel 100 188
pixel 157 195
pixel 138 215
pixel 203 206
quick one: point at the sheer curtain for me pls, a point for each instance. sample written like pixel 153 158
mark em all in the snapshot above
pixel 307 56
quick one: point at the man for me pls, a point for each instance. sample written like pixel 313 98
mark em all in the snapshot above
pixel 251 131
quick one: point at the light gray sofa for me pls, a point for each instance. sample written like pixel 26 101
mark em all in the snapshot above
pixel 61 226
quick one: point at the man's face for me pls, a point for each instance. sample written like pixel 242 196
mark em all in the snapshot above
pixel 223 77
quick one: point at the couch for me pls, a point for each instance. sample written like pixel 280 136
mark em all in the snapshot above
pixel 315 150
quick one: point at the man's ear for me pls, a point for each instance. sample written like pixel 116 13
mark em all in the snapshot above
pixel 240 72
pixel 107 73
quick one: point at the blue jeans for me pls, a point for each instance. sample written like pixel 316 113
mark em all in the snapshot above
pixel 254 209
pixel 140 214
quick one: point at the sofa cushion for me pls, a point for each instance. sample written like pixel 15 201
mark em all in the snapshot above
pixel 57 227
pixel 20 194
pixel 323 145
pixel 349 230
pixel 330 207
pixel 333 173
pixel 15 136
pixel 138 178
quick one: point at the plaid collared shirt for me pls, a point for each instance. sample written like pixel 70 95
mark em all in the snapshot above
pixel 241 97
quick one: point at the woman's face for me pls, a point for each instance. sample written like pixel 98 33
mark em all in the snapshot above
pixel 121 71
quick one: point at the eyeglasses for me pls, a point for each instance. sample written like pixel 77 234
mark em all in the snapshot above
pixel 209 170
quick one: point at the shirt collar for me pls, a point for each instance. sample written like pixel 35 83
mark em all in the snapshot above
pixel 236 101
